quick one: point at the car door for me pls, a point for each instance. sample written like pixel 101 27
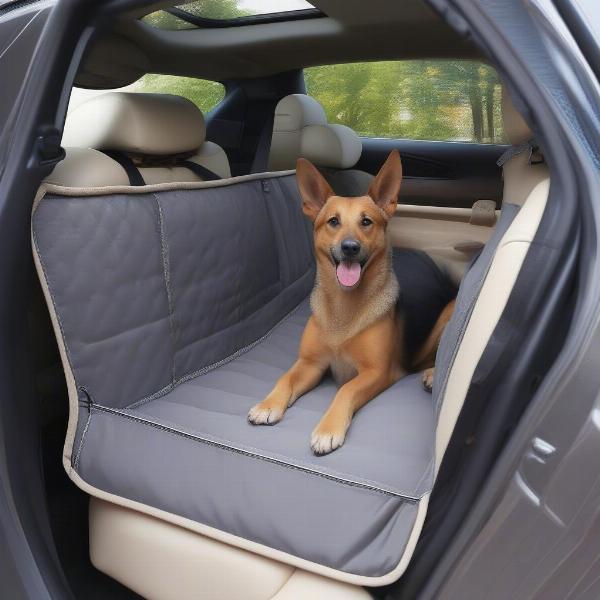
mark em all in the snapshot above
pixel 32 35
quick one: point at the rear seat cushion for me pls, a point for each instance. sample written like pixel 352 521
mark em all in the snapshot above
pixel 189 302
pixel 160 560
pixel 195 455
pixel 194 314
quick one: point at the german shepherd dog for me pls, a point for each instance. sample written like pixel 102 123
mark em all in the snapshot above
pixel 355 329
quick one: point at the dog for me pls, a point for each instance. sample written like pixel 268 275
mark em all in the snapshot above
pixel 355 329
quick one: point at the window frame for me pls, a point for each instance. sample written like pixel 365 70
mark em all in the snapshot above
pixel 276 17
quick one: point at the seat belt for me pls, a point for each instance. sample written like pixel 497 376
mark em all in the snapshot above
pixel 261 156
pixel 135 176
pixel 133 173
pixel 202 172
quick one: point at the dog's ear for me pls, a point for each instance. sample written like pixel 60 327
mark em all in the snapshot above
pixel 386 185
pixel 314 189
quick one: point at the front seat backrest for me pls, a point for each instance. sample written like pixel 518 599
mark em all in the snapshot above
pixel 300 129
pixel 157 131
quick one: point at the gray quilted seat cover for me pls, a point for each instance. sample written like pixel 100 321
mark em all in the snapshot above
pixel 192 452
pixel 178 309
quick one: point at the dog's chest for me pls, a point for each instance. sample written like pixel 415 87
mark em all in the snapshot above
pixel 342 370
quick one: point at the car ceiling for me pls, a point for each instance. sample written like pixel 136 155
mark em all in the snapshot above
pixel 352 31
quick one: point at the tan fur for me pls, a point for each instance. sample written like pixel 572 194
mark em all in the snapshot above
pixel 355 332
pixel 425 358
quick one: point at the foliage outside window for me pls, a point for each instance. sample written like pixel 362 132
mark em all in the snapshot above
pixel 203 93
pixel 451 100
pixel 222 9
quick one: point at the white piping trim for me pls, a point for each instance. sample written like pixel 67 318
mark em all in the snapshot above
pixel 53 188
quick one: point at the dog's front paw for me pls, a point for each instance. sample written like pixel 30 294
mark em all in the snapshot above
pixel 324 441
pixel 265 413
pixel 427 378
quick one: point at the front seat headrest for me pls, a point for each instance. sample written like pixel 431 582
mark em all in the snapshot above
pixel 300 129
pixel 137 123
pixel 516 129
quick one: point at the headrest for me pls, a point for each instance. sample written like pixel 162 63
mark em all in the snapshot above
pixel 300 129
pixel 516 129
pixel 156 124
pixel 297 111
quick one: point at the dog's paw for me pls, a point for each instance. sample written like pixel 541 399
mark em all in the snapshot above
pixel 427 379
pixel 324 441
pixel 264 414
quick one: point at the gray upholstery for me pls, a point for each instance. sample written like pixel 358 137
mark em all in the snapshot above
pixel 351 510
pixel 465 301
pixel 186 307
pixel 179 309
pixel 168 283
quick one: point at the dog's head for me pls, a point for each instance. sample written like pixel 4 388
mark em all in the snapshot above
pixel 350 233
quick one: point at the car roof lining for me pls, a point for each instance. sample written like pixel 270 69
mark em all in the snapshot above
pixel 352 31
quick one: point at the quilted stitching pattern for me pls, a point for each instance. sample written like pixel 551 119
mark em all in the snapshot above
pixel 220 279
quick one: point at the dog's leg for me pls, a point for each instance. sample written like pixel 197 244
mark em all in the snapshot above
pixel 305 374
pixel 427 378
pixel 331 430
pixel 302 377
pixel 425 359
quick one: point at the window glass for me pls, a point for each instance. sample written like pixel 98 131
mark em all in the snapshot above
pixel 449 100
pixel 203 93
pixel 222 10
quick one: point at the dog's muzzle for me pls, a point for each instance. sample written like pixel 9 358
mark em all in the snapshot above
pixel 348 259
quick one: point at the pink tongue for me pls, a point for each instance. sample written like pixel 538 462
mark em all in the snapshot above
pixel 348 274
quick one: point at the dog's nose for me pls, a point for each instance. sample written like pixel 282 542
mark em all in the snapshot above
pixel 350 248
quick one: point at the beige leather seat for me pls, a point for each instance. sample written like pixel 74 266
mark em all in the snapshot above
pixel 300 129
pixel 152 557
pixel 153 129
pixel 163 561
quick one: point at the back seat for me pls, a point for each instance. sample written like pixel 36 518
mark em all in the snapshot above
pixel 300 129
pixel 158 133
pixel 176 307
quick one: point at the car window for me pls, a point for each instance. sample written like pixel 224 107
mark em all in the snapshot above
pixel 449 100
pixel 206 13
pixel 203 93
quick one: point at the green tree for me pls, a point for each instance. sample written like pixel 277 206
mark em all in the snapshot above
pixel 207 9
pixel 431 99
pixel 204 94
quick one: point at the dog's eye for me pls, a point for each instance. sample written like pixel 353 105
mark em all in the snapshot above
pixel 365 222
pixel 334 221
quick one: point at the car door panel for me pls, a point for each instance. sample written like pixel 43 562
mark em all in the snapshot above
pixel 444 233
pixel 453 174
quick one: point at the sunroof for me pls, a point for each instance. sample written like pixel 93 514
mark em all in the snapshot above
pixel 228 13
